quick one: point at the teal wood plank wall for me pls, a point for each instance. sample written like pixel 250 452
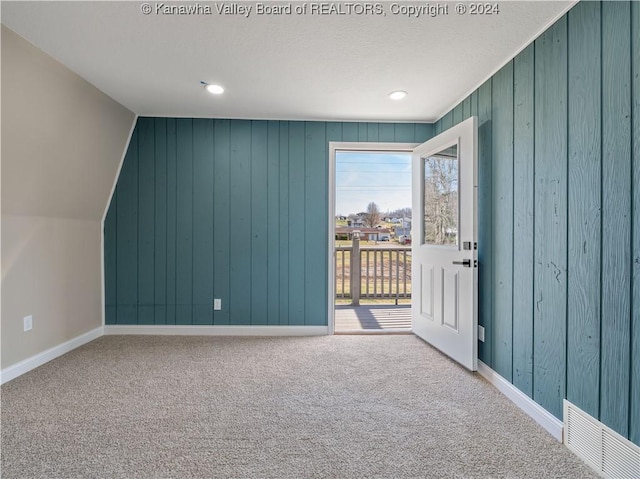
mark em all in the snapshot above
pixel 227 209
pixel 559 211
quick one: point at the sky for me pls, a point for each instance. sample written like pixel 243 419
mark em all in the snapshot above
pixel 363 177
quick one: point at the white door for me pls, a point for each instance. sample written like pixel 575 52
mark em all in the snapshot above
pixel 444 271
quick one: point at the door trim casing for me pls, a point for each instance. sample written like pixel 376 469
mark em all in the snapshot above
pixel 335 146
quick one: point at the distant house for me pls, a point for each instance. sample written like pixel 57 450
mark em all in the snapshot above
pixel 395 219
pixel 403 228
pixel 366 234
pixel 402 231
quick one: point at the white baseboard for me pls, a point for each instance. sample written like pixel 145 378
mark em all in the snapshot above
pixel 178 330
pixel 544 418
pixel 33 362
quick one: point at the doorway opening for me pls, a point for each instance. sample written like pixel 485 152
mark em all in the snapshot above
pixel 370 238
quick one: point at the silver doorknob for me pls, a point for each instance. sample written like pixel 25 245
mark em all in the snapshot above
pixel 466 263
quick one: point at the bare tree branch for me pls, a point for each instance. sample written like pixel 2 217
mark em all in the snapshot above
pixel 373 216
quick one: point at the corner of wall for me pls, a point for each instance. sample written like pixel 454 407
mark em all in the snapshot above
pixel 51 230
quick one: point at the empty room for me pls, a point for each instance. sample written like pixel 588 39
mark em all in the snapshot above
pixel 316 239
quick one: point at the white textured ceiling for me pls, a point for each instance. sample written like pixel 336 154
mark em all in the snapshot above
pixel 311 67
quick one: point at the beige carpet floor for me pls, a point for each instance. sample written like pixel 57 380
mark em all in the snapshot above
pixel 320 407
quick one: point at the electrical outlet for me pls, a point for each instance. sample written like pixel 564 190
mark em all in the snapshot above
pixel 481 333
pixel 28 323
pixel 217 304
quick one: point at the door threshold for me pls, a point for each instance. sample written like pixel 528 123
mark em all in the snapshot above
pixel 375 331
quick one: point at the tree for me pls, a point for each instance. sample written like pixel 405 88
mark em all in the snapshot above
pixel 441 200
pixel 401 213
pixel 372 216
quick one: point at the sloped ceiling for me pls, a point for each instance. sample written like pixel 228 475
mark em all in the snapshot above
pixel 62 139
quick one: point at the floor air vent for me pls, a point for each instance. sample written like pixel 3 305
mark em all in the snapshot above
pixel 606 451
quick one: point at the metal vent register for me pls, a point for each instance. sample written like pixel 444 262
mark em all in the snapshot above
pixel 606 451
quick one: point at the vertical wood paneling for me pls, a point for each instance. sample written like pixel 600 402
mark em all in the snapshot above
pixel 550 294
pixel 485 222
pixel 457 114
pixel 110 262
pixel 222 215
pixel 146 216
pixel 405 133
pixel 502 230
pixel 466 108
pixel 363 131
pixel 259 223
pixel 273 226
pixel 127 236
pixel 334 131
pixel 523 95
pixel 423 132
pixel 584 219
pixel 315 206
pixel 203 218
pixel 297 222
pixel 350 131
pixel 284 223
pixel 616 221
pixel 438 127
pixel 234 210
pixel 184 221
pixel 634 417
pixel 447 121
pixel 386 132
pixel 160 222
pixel 240 223
pixel 474 103
pixel 172 213
pixel 373 131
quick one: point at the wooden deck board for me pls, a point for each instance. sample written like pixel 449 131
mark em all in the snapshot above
pixel 372 317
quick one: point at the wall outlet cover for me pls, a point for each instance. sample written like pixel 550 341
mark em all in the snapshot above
pixel 217 304
pixel 28 323
pixel 481 333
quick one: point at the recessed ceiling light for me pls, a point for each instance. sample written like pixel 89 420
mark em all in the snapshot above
pixel 398 95
pixel 214 89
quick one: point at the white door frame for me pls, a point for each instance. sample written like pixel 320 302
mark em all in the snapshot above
pixel 335 146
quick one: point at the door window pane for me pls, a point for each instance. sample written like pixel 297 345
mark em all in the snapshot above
pixel 441 197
